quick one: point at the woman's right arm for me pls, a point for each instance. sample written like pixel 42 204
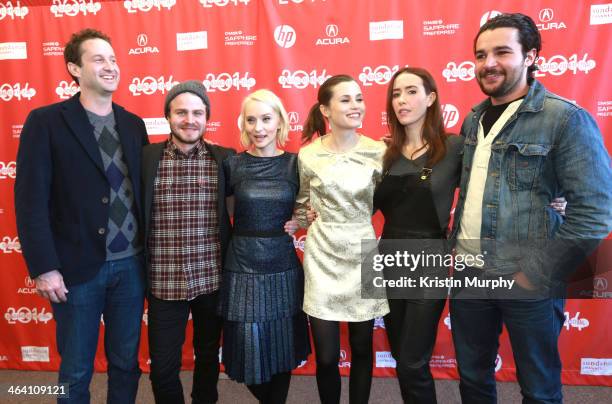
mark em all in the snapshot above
pixel 302 201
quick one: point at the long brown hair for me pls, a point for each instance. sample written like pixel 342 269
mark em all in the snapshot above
pixel 315 122
pixel 433 132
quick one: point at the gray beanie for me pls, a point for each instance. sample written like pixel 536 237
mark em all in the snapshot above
pixel 190 86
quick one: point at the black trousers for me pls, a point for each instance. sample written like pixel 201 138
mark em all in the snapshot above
pixel 167 324
pixel 412 326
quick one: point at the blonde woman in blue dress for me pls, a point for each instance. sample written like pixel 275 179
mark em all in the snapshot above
pixel 338 173
pixel 265 334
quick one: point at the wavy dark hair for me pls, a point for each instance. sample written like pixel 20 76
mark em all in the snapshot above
pixel 528 35
pixel 73 50
pixel 433 133
pixel 315 122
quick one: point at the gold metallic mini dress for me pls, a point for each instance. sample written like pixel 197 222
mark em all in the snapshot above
pixel 340 188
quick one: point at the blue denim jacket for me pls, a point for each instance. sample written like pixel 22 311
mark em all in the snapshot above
pixel 548 148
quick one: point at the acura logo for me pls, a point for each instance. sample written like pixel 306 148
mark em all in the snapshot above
pixel 331 30
pixel 294 117
pixel 600 284
pixel 546 14
pixel 142 39
pixel 29 282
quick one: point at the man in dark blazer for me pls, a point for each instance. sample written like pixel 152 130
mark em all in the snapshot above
pixel 187 230
pixel 77 202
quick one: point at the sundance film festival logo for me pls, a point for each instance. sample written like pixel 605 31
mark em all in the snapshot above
pixel 301 79
pixel 72 8
pixel 142 40
pixel 380 75
pixel 25 315
pixel 35 353
pixel 284 36
pixel 223 3
pixel 144 6
pixel 13 11
pixel 384 359
pixel 8 170
pixel 294 124
pixel 381 30
pixel 10 245
pixel 601 14
pixel 450 115
pixel 558 64
pixel 331 31
pixel 156 126
pixel 226 81
pixel 596 366
pixel 488 15
pixel 546 16
pixel 150 85
pixel 65 90
pixel 464 71
pixel 13 50
pixel 30 287
pixel 186 41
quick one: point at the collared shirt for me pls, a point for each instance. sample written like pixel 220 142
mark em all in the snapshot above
pixel 184 246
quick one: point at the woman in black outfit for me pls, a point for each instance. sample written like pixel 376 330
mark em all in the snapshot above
pixel 422 169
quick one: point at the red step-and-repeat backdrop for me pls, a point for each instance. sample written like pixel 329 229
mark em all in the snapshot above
pixel 290 47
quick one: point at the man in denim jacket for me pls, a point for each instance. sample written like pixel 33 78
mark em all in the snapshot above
pixel 524 146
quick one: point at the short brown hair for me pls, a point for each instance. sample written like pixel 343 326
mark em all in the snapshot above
pixel 73 50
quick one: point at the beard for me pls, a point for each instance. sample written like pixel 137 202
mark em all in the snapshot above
pixel 509 82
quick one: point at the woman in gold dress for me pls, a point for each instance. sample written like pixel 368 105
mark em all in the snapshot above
pixel 338 173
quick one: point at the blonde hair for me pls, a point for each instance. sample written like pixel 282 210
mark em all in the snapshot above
pixel 271 100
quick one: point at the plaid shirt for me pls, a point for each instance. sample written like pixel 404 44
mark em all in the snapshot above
pixel 184 247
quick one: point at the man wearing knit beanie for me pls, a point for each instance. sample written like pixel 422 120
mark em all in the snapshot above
pixel 187 230
pixel 190 86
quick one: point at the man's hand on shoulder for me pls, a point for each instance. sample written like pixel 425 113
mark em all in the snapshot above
pixel 50 285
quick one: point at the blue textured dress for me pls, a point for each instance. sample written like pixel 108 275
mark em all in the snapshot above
pixel 265 331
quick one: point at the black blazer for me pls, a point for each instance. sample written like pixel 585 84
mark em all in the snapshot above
pixel 61 190
pixel 151 156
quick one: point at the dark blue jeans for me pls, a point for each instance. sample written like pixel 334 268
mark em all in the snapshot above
pixel 117 292
pixel 533 327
